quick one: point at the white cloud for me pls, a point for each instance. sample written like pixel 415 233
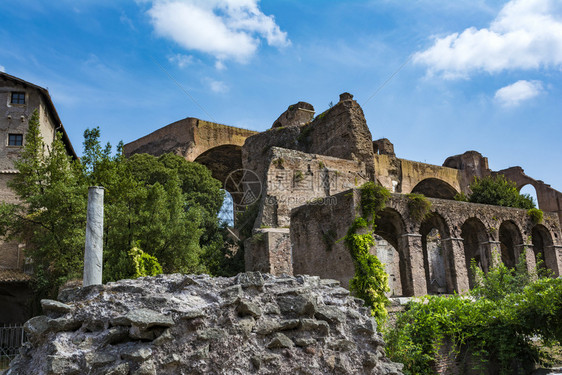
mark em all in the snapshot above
pixel 226 29
pixel 526 34
pixel 2 69
pixel 219 65
pixel 181 60
pixel 217 86
pixel 512 95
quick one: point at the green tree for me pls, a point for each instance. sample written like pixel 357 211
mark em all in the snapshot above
pixel 51 217
pixel 499 191
pixel 163 205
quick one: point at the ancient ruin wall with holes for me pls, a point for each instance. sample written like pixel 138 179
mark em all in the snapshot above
pixel 309 169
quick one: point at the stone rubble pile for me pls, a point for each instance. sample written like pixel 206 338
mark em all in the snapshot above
pixel 183 324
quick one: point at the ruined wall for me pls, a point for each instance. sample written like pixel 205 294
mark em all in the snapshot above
pixel 297 114
pixel 315 234
pixel 465 230
pixel 185 324
pixel 293 178
pixel 549 199
pixel 189 138
pixel 340 132
pixel 402 176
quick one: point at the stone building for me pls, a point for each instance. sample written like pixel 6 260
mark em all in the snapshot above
pixel 18 100
pixel 302 176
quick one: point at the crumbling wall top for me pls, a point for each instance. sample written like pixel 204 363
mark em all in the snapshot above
pixel 296 115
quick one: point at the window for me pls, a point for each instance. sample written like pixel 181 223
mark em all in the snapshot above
pixel 15 139
pixel 18 98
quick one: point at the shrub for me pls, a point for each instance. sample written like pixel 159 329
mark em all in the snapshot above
pixel 461 197
pixel 419 206
pixel 535 215
pixel 500 192
pixel 373 199
pixel 144 264
pixel 496 324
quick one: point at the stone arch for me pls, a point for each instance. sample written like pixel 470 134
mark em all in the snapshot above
pixel 435 188
pixel 476 245
pixel 543 247
pixel 438 258
pixel 531 190
pixel 223 160
pixel 390 227
pixel 511 243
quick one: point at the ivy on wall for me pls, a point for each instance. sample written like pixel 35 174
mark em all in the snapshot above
pixel 370 281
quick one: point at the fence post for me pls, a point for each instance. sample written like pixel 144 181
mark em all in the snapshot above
pixel 93 254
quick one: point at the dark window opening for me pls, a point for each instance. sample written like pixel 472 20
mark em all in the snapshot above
pixel 15 139
pixel 18 98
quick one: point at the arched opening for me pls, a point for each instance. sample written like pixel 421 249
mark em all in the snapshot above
pixel 475 240
pixel 222 160
pixel 530 191
pixel 435 188
pixel 226 213
pixel 389 228
pixel 438 262
pixel 545 255
pixel 511 243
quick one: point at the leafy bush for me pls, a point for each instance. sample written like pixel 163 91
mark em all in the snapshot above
pixel 461 197
pixel 500 192
pixel 144 264
pixel 500 280
pixel 496 323
pixel 535 215
pixel 419 206
pixel 373 199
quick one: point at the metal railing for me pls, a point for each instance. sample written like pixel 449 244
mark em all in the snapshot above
pixel 12 337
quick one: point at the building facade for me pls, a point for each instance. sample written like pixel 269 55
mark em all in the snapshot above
pixel 18 100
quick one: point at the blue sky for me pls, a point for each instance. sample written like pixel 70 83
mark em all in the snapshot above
pixel 469 75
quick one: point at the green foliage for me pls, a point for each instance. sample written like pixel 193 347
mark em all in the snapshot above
pixel 279 162
pixel 373 199
pixel 535 215
pixel 461 197
pixel 500 280
pixel 53 215
pixel 506 310
pixel 144 264
pixel 419 206
pixel 370 281
pixel 298 176
pixel 500 192
pixel 166 206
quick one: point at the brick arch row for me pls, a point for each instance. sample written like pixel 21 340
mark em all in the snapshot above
pixel 435 256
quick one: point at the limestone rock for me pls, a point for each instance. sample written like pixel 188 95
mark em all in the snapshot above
pixel 250 324
pixel 56 306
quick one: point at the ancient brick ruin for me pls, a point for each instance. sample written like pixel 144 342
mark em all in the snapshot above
pixel 307 171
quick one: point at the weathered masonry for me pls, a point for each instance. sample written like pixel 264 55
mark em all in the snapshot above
pixel 309 167
pixel 432 256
